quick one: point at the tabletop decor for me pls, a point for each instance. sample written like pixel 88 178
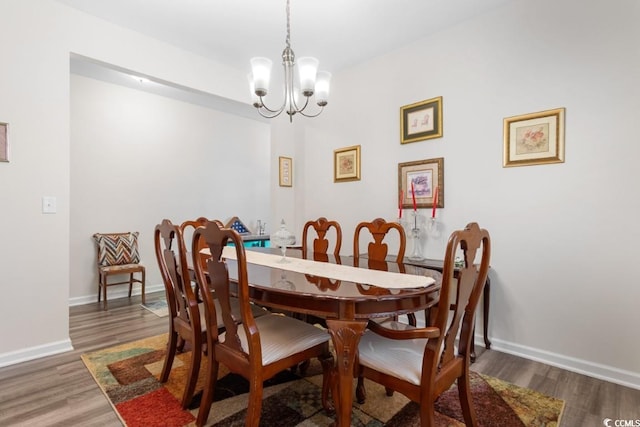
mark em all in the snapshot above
pixel 421 120
pixel 426 177
pixel 281 238
pixel 4 142
pixel 346 164
pixel 534 139
pixel 286 171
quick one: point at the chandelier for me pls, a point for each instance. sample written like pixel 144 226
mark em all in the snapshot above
pixel 312 82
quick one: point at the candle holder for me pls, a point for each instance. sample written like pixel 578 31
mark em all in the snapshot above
pixel 415 234
pixel 433 228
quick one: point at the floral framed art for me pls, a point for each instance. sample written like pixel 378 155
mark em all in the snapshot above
pixel 420 121
pixel 4 142
pixel 346 164
pixel 285 171
pixel 534 139
pixel 419 182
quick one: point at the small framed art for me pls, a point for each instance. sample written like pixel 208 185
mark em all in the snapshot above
pixel 286 171
pixel 4 142
pixel 419 182
pixel 346 164
pixel 420 121
pixel 534 139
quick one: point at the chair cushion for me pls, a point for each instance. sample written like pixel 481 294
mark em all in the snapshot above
pixel 124 268
pixel 399 358
pixel 282 336
pixel 117 248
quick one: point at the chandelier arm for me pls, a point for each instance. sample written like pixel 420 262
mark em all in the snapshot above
pixel 263 105
pixel 295 104
pixel 269 116
pixel 312 115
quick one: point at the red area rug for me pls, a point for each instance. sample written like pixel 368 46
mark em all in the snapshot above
pixel 128 375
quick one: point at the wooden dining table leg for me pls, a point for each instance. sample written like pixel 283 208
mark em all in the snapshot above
pixel 346 336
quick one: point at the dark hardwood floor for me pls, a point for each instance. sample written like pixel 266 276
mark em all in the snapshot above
pixel 59 391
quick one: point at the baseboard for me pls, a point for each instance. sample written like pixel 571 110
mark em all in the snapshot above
pixel 31 353
pixel 580 366
pixel 115 293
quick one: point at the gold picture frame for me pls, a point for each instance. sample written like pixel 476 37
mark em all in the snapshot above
pixel 534 139
pixel 4 142
pixel 427 176
pixel 285 171
pixel 420 121
pixel 346 164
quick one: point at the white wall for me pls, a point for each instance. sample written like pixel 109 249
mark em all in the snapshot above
pixel 564 289
pixel 137 158
pixel 40 35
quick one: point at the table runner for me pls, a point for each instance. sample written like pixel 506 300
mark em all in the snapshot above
pixel 382 279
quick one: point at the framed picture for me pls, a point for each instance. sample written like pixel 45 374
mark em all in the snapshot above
pixel 286 171
pixel 4 142
pixel 419 181
pixel 534 139
pixel 346 164
pixel 420 121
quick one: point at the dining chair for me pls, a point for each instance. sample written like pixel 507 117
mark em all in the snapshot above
pixel 118 254
pixel 186 310
pixel 186 317
pixel 377 250
pixel 320 245
pixel 422 363
pixel 255 347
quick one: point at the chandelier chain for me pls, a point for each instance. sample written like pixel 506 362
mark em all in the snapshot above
pixel 288 40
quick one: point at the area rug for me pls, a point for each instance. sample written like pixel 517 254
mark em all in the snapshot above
pixel 128 375
pixel 158 307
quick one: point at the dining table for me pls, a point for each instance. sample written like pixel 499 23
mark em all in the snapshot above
pixel 346 296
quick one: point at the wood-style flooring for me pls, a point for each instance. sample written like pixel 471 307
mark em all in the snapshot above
pixel 59 391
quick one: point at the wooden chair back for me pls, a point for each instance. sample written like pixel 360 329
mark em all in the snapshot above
pixel 184 314
pixel 377 250
pixel 321 244
pixel 214 273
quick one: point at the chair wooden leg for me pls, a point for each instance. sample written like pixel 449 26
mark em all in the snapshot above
pixel 254 406
pixel 99 287
pixel 172 346
pixel 464 394
pixel 192 377
pixel 143 283
pixel 209 389
pixel 104 293
pixel 427 413
pixel 328 381
pixel 130 283
pixel 361 392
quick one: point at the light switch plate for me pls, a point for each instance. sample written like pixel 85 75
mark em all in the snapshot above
pixel 49 205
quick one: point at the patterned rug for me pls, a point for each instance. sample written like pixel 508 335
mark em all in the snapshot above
pixel 159 307
pixel 128 375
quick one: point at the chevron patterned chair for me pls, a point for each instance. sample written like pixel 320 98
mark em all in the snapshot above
pixel 118 255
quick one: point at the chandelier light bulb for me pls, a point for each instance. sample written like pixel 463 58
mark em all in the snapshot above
pixel 323 82
pixel 307 69
pixel 261 70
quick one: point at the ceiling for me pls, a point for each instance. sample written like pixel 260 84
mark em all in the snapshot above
pixel 340 33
